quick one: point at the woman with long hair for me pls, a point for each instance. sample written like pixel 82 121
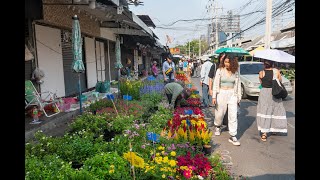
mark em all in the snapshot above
pixel 226 94
pixel 271 115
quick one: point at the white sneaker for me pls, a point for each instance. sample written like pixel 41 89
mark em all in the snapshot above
pixel 217 132
pixel 234 141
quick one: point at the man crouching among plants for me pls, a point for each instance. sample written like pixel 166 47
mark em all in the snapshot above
pixel 175 92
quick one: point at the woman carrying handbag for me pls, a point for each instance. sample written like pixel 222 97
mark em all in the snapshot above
pixel 271 115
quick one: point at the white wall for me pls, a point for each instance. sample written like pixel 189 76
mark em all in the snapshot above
pixel 49 53
pixel 100 61
pixel 91 62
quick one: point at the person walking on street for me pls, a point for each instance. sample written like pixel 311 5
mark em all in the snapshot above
pixel 175 92
pixel 211 75
pixel 154 69
pixel 168 69
pixel 180 65
pixel 204 82
pixel 227 94
pixel 271 115
pixel 198 68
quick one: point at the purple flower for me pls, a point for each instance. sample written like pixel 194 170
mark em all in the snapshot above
pixel 173 147
pixel 169 148
pixel 143 146
pixel 137 126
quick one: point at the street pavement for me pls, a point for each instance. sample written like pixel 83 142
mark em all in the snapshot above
pixel 273 159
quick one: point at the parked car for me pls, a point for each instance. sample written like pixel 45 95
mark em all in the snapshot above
pixel 249 76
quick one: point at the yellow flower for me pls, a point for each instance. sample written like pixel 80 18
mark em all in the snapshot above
pixel 183 167
pixel 162 152
pixel 169 134
pixel 163 176
pixel 112 166
pixel 157 154
pixel 158 160
pixel 172 163
pixel 134 159
pixel 165 159
pixel 111 171
pixel 173 153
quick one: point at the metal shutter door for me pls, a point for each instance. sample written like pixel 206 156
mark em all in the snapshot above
pixel 70 78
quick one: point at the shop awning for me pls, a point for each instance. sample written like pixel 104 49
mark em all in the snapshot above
pixel 283 43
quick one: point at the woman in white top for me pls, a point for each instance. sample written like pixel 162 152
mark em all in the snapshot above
pixel 226 94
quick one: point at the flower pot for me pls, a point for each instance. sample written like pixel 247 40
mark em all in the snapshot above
pixel 207 149
pixel 108 135
pixel 76 165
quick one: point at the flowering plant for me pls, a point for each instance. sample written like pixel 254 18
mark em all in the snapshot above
pixel 189 166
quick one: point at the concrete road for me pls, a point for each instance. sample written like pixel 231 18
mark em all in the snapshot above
pixel 273 159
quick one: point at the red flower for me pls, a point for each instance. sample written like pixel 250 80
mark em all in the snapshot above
pixel 187 174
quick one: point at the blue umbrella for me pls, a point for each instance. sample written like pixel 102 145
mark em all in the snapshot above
pixel 77 64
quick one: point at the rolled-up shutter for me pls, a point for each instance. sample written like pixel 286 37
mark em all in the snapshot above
pixel 70 78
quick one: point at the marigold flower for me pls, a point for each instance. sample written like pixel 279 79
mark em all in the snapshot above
pixel 172 163
pixel 165 159
pixel 173 153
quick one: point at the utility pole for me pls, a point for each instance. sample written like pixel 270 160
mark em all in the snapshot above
pixel 189 49
pixel 215 11
pixel 193 51
pixel 199 46
pixel 268 24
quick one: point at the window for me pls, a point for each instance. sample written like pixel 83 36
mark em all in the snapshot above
pixel 250 68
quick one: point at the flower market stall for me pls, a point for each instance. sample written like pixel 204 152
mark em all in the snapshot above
pixel 129 138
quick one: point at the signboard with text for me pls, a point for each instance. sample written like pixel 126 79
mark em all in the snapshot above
pixel 175 50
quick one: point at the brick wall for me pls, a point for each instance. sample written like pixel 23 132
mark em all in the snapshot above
pixel 62 16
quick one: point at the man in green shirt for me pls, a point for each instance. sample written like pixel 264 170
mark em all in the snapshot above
pixel 175 92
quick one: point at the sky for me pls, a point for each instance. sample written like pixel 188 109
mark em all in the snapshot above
pixel 165 12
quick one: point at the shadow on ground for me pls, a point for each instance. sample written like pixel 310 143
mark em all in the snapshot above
pixel 273 177
pixel 244 121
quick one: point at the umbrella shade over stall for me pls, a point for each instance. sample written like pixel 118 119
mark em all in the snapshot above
pixel 256 49
pixel 235 50
pixel 118 64
pixel 275 55
pixel 77 64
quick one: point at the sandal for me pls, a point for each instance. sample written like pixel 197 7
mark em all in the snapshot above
pixel 264 137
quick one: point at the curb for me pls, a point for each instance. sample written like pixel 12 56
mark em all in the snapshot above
pixel 52 124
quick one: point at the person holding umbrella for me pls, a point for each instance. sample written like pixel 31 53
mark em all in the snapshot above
pixel 226 94
pixel 271 115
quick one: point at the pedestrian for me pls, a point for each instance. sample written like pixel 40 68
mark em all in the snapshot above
pixel 128 67
pixel 212 71
pixel 271 115
pixel 154 69
pixel 185 66
pixel 198 68
pixel 180 65
pixel 204 82
pixel 168 69
pixel 211 75
pixel 175 92
pixel 226 94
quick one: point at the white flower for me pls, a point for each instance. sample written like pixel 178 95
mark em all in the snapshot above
pixel 200 177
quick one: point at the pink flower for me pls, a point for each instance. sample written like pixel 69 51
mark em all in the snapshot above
pixel 187 174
